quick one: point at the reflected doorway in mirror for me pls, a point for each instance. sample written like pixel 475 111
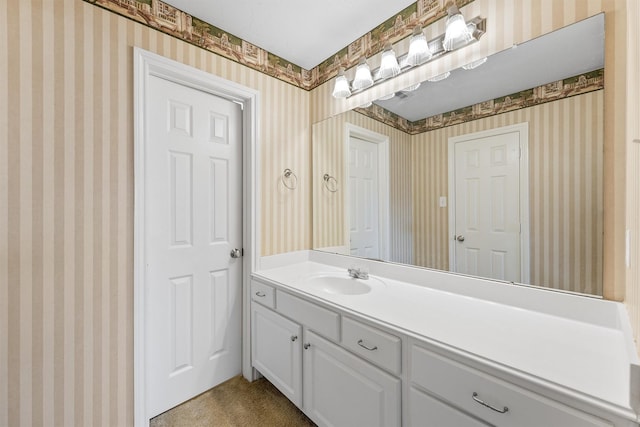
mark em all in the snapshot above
pixel 367 193
pixel 489 203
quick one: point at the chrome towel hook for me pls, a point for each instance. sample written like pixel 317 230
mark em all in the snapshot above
pixel 288 181
pixel 330 183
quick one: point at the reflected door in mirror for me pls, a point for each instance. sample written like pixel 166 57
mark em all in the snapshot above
pixel 364 201
pixel 487 205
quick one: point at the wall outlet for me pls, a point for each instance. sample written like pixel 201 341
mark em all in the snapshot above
pixel 443 202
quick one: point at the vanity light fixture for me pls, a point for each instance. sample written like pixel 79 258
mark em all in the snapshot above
pixel 420 52
pixel 475 64
pixel 389 66
pixel 418 48
pixel 440 77
pixel 363 77
pixel 457 33
pixel 341 88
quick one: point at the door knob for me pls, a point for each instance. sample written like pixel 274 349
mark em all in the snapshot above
pixel 236 253
pixel 460 238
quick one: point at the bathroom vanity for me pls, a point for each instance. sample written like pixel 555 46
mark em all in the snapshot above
pixel 416 347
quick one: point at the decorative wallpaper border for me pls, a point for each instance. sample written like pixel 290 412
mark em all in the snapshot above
pixel 571 86
pixel 173 21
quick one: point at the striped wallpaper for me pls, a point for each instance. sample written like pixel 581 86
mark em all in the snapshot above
pixel 66 192
pixel 66 185
pixel 632 297
pixel 328 208
pixel 565 188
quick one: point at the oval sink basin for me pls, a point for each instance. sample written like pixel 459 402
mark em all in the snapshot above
pixel 342 285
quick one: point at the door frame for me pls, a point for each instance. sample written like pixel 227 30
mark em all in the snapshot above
pixel 148 64
pixel 523 131
pixel 382 142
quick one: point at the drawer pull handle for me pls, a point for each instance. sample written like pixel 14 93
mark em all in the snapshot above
pixel 294 337
pixel 306 346
pixel 261 294
pixel 360 343
pixel 483 403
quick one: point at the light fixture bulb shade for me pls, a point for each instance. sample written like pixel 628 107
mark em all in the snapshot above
pixel 341 87
pixel 474 64
pixel 418 49
pixel 363 77
pixel 411 88
pixel 440 77
pixel 389 66
pixel 457 33
pixel 387 97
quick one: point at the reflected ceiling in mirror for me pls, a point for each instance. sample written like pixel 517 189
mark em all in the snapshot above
pixel 572 51
pixel 563 112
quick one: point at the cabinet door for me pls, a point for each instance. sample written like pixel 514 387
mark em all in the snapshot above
pixel 425 411
pixel 341 389
pixel 276 351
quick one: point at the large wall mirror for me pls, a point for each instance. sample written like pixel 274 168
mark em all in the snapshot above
pixel 495 171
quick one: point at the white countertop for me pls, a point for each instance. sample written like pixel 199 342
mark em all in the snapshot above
pixel 584 357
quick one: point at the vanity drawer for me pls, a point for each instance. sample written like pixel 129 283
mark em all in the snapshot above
pixel 324 322
pixel 263 294
pixel 377 346
pixel 465 388
pixel 426 411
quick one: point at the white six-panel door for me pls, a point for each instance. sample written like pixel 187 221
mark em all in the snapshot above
pixel 487 206
pixel 363 198
pixel 193 221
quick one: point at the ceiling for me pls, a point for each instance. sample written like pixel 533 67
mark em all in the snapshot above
pixel 303 32
pixel 308 32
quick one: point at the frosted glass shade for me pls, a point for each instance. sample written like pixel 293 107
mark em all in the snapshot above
pixel 475 64
pixel 388 64
pixel 411 88
pixel 457 33
pixel 418 48
pixel 363 77
pixel 440 77
pixel 341 87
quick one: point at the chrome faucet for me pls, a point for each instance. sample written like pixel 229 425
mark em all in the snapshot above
pixel 358 273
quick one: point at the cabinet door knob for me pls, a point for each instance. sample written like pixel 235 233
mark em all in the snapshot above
pixel 294 337
pixel 306 346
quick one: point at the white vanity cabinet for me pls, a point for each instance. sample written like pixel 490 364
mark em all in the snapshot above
pixel 344 366
pixel 427 411
pixel 297 348
pixel 460 395
pixel 276 345
pixel 341 389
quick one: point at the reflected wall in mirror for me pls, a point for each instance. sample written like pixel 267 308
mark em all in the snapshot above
pixel 395 198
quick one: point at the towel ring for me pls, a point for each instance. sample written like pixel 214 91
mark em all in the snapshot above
pixel 330 183
pixel 286 176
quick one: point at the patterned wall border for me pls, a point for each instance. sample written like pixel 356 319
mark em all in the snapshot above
pixel 571 86
pixel 170 20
